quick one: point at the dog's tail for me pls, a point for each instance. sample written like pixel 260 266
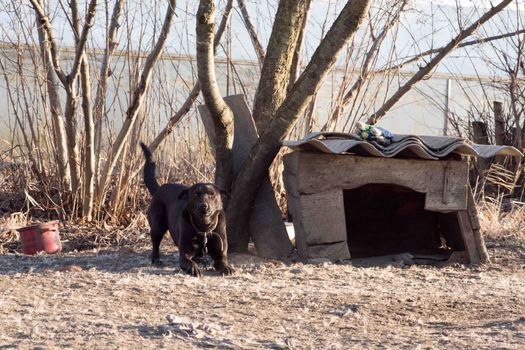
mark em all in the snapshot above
pixel 149 170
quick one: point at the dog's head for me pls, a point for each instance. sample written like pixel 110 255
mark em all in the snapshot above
pixel 204 201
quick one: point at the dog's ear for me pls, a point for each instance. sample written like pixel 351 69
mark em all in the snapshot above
pixel 183 195
pixel 223 191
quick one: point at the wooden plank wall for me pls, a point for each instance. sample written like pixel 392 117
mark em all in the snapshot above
pixel 315 184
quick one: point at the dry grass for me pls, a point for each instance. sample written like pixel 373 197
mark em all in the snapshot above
pixel 78 236
pixel 9 237
pixel 502 225
pixel 36 189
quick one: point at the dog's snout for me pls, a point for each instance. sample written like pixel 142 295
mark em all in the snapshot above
pixel 203 207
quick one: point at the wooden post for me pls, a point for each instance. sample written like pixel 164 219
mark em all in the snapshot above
pixel 480 136
pixel 476 229
pixel 499 123
pixel 479 132
pixel 499 128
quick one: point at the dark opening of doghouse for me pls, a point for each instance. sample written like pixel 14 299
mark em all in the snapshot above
pixel 383 219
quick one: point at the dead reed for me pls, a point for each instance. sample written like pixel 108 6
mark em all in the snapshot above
pixel 502 225
pixel 27 198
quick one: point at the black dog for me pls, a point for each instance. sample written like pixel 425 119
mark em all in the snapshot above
pixel 193 215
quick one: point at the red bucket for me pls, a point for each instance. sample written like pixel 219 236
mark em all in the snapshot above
pixel 40 238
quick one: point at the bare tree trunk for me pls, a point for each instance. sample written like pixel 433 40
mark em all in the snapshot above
pixel 80 67
pixel 186 106
pixel 89 143
pixel 264 151
pixel 135 104
pixel 59 129
pixel 69 81
pixel 499 128
pixel 374 118
pixel 275 73
pixel 89 162
pixel 220 112
pixel 259 51
pixel 71 134
pixel 102 87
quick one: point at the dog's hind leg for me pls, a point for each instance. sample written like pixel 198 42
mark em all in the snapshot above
pixel 217 250
pixel 158 227
pixel 156 238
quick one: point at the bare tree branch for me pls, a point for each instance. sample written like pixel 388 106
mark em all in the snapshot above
pixel 89 151
pixel 186 106
pixel 222 26
pixel 82 39
pixel 365 69
pixel 69 81
pixel 434 62
pixel 102 86
pixel 135 104
pixel 259 51
pixel 59 131
pixel 71 134
pixel 53 49
pixel 463 44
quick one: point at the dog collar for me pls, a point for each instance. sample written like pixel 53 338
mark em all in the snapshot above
pixel 204 234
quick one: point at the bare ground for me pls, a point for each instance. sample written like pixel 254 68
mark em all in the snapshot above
pixel 114 299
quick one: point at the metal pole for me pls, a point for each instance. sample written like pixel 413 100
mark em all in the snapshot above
pixel 447 107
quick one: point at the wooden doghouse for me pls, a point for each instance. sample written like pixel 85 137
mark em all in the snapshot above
pixel 347 206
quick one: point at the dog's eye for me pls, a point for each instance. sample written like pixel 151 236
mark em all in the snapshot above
pixel 196 194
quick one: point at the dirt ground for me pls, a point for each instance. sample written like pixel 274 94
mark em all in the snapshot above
pixel 114 299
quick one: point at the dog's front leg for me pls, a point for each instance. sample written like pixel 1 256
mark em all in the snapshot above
pixel 217 250
pixel 188 265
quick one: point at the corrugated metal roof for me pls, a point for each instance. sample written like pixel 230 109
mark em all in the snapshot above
pixel 425 147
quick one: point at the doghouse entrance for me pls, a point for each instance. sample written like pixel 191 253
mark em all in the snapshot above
pixel 383 219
